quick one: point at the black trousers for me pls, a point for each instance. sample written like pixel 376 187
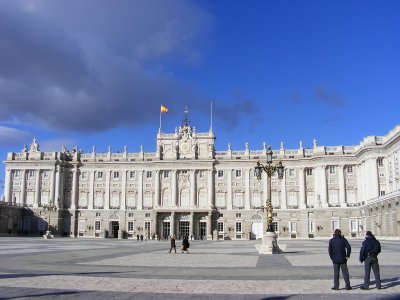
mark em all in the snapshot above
pixel 372 263
pixel 345 272
pixel 172 247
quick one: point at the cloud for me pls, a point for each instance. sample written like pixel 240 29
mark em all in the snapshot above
pixel 231 115
pixel 331 98
pixel 11 137
pixel 70 67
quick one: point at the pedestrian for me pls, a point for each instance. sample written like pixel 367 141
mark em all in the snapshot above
pixel 141 237
pixel 370 249
pixel 185 244
pixel 191 237
pixel 339 252
pixel 137 237
pixel 173 245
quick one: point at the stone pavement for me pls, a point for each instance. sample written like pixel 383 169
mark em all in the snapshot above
pixel 66 268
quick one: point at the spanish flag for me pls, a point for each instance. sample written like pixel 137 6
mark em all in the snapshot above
pixel 163 109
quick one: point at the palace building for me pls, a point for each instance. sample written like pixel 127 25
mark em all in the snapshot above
pixel 187 187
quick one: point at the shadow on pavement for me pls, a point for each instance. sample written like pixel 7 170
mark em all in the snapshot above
pixel 19 275
pixel 43 295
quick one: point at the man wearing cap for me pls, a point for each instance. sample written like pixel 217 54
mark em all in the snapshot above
pixel 339 251
pixel 369 255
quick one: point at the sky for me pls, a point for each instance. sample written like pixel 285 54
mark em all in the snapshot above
pixel 94 72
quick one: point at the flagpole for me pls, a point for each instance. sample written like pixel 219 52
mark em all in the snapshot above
pixel 160 119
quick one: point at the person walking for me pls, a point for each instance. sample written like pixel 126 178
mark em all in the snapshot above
pixel 173 245
pixel 369 251
pixel 185 244
pixel 339 251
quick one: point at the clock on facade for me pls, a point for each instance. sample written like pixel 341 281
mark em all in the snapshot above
pixel 185 147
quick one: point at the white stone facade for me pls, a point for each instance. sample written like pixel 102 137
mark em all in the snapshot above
pixel 188 188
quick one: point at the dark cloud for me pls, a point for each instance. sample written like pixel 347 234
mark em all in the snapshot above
pixel 331 98
pixel 231 115
pixel 92 65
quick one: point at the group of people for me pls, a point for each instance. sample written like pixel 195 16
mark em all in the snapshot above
pixel 184 247
pixel 339 252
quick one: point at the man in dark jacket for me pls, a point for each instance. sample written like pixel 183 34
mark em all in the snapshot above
pixel 339 252
pixel 369 255
pixel 173 245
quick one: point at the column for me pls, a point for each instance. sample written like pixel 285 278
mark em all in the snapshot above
pixel 172 224
pixel 374 178
pixel 123 192
pixel 210 188
pixel 191 224
pixel 157 199
pixel 91 190
pixel 23 188
pixel 247 189
pixel 140 190
pixel 320 187
pixel 342 187
pixel 193 189
pixel 302 189
pixel 107 194
pixel 8 186
pixel 209 227
pixel 174 189
pixel 74 188
pixel 359 198
pixel 52 183
pixel 37 189
pixel 229 194
pixel 283 191
pixel 57 197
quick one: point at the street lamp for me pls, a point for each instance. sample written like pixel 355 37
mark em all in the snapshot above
pixel 269 240
pixel 49 207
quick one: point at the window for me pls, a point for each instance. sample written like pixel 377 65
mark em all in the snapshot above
pixel 380 162
pixel 100 175
pixel 147 227
pixel 46 174
pixel 332 170
pixel 84 175
pixel 97 214
pixel 221 215
pixel 116 175
pixel 238 173
pixel 238 227
pixel 97 225
pixel 147 215
pixel 353 225
pixel 238 215
pixel 335 225
pixel 31 173
pixel 132 175
pixel 17 173
pixel 81 225
pixel 220 226
pixel 382 193
pixel 130 226
pixel 130 215
pixel 275 226
pixel 293 228
pixel 148 174
pixel 291 172
pixel 166 174
pixel 350 169
pixel 220 173
pixel 309 172
pixel 311 226
pixel 202 174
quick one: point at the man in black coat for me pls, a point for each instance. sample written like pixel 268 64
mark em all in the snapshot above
pixel 339 251
pixel 369 255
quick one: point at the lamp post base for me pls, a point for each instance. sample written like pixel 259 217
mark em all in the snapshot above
pixel 269 244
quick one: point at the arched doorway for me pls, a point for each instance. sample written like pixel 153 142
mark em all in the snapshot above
pixel 114 225
pixel 256 227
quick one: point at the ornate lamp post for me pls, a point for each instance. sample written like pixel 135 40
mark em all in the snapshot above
pixel 50 207
pixel 269 244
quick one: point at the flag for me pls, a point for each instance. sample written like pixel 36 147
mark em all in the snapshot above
pixel 163 109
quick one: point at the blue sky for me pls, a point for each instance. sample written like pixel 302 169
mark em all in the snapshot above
pixel 94 73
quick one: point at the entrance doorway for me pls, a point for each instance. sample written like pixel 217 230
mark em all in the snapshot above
pixel 114 227
pixel 184 228
pixel 257 230
pixel 166 231
pixel 203 230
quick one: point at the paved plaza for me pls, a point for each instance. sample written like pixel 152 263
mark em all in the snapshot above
pixel 66 268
